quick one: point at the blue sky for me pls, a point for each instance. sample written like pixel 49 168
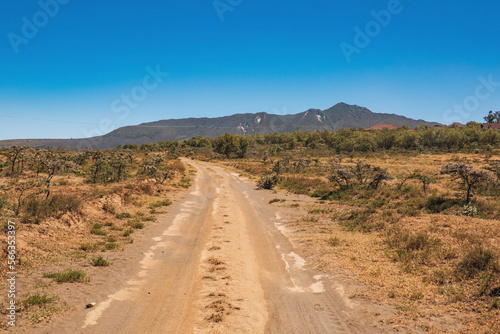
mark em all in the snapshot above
pixel 67 66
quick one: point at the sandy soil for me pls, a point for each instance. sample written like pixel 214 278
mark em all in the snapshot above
pixel 220 262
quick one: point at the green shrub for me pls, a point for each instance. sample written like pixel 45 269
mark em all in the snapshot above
pixel 68 276
pixel 334 241
pixel 268 181
pixel 111 245
pixel 136 225
pixel 128 232
pixel 275 200
pixel 97 231
pixel 89 247
pixel 123 215
pixel 159 204
pixel 99 261
pixel 38 300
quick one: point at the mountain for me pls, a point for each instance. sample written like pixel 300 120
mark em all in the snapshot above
pixel 337 117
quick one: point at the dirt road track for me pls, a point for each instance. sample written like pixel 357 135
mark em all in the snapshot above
pixel 219 263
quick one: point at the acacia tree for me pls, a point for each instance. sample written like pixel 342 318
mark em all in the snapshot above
pixel 492 117
pixel 424 179
pixel 470 177
pixel 361 174
pixel 156 168
pixel 14 156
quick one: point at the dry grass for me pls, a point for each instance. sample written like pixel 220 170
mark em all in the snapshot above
pixel 76 220
pixel 416 251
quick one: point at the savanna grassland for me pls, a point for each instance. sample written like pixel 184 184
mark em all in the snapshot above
pixel 71 206
pixel 413 214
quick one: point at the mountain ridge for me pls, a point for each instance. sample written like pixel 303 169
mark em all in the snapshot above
pixel 339 116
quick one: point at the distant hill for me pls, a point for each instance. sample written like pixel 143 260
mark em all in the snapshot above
pixel 337 117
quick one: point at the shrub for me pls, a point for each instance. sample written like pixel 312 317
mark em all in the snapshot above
pixel 158 204
pixel 136 225
pixel 123 215
pixel 410 247
pixel 128 232
pixel 475 261
pixel 68 276
pixel 334 241
pixel 109 208
pixel 99 261
pixel 437 204
pixel 275 200
pixel 89 247
pixel 361 175
pixel 358 220
pixel 469 210
pixel 268 181
pixel 36 209
pixel 98 231
pixel 111 245
pixel 38 300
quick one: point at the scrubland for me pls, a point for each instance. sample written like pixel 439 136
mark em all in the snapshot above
pixel 70 206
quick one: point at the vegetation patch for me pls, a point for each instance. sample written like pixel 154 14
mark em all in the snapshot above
pixel 68 276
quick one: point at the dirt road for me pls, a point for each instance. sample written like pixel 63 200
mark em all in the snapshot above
pixel 218 264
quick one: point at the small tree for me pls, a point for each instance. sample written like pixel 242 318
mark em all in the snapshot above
pixel 424 179
pixel 470 177
pixel 343 177
pixel 361 175
pixel 492 117
pixel 155 167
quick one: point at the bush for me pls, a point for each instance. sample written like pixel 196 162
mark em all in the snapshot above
pixel 98 231
pixel 358 220
pixel 437 204
pixel 360 175
pixel 275 200
pixel 89 247
pixel 38 300
pixel 136 225
pixel 36 209
pixel 68 276
pixel 128 232
pixel 159 204
pixel 111 245
pixel 268 181
pixel 476 261
pixel 410 246
pixel 123 215
pixel 99 261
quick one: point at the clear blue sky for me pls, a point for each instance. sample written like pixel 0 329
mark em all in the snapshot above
pixel 70 74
